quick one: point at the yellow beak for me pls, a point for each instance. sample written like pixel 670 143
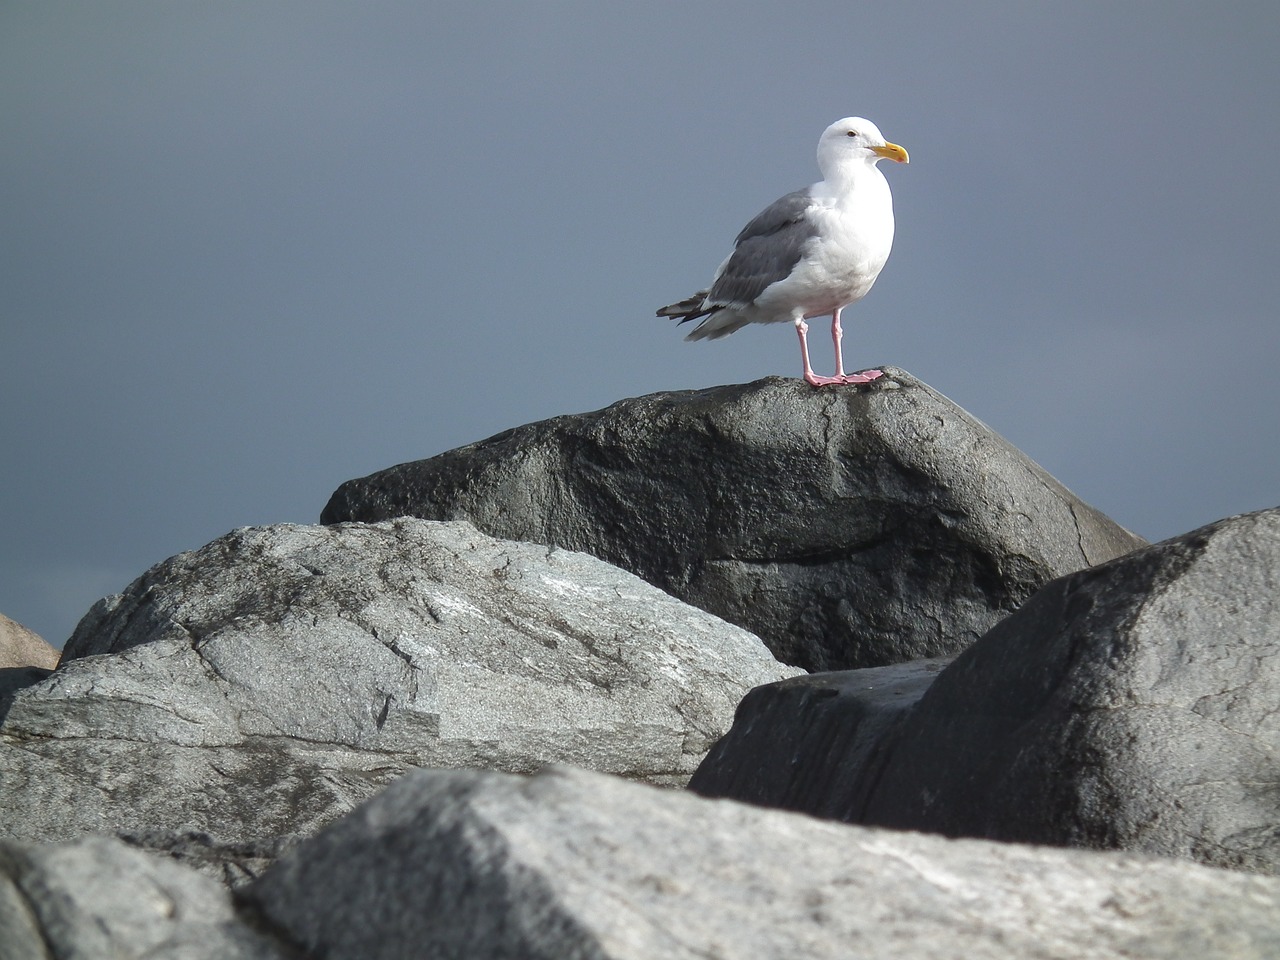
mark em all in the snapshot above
pixel 891 151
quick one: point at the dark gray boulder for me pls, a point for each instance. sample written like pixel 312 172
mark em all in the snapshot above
pixel 1134 706
pixel 569 864
pixel 1130 706
pixel 805 743
pixel 849 527
pixel 249 692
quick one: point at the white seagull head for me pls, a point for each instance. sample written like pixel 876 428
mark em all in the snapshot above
pixel 855 141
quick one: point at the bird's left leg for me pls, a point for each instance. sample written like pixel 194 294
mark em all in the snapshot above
pixel 837 334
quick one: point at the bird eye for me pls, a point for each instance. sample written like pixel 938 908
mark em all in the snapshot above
pixel 851 133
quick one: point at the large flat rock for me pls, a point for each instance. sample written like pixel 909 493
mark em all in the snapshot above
pixel 571 864
pixel 848 527
pixel 262 686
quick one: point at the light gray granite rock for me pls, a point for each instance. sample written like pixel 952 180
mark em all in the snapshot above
pixel 95 898
pixel 568 864
pixel 251 691
pixel 850 527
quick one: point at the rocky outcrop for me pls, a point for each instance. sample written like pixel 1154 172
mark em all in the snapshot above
pixel 240 711
pixel 572 864
pixel 1130 706
pixel 847 527
pixel 226 714
pixel 20 647
pixel 253 690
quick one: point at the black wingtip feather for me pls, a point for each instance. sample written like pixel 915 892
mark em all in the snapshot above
pixel 688 309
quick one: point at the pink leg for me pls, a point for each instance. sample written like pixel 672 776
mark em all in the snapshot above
pixel 837 334
pixel 866 376
pixel 810 377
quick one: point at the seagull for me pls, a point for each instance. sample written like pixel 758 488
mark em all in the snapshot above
pixel 810 253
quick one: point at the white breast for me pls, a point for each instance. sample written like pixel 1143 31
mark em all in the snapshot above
pixel 856 234
pixel 839 266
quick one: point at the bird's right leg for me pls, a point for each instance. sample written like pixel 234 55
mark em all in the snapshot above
pixel 811 378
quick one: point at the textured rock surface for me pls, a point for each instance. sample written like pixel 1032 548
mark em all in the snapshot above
pixel 1135 706
pixel 25 659
pixel 13 679
pixel 847 528
pixel 253 690
pixel 570 864
pixel 95 898
pixel 20 647
pixel 805 743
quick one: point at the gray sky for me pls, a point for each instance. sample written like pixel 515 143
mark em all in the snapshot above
pixel 251 250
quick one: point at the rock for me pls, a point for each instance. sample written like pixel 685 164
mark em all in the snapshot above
pixel 1131 706
pixel 20 647
pixel 13 679
pixel 243 695
pixel 805 743
pixel 95 897
pixel 846 527
pixel 571 864
pixel 25 659
pixel 234 864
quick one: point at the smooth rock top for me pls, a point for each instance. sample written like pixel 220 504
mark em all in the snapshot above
pixel 846 527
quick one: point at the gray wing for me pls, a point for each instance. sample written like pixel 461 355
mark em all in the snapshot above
pixel 766 250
